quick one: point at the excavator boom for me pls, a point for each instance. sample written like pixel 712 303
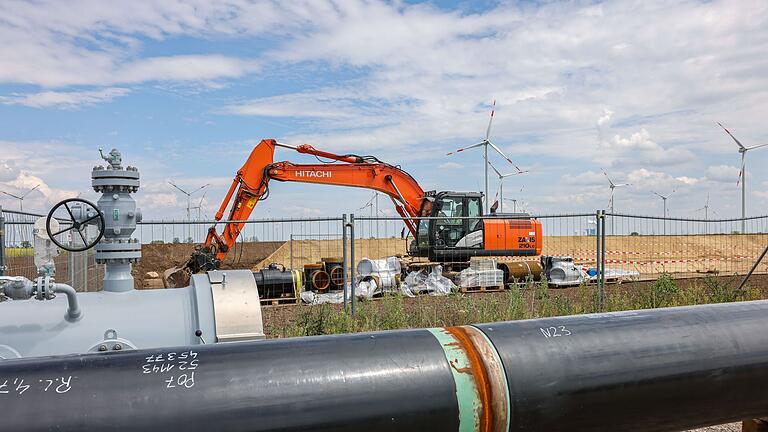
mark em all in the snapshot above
pixel 251 184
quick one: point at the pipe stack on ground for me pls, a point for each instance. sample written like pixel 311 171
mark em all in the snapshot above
pixel 650 370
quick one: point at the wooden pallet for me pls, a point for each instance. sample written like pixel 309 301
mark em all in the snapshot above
pixel 279 301
pixel 481 289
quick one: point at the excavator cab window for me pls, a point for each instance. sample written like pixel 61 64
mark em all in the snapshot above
pixel 474 209
pixel 450 228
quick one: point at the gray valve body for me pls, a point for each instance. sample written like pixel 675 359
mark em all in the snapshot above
pixel 117 249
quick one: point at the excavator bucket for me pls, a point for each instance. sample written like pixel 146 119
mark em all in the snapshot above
pixel 202 259
pixel 177 277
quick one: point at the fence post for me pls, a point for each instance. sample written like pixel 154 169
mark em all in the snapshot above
pixel 597 258
pixel 602 263
pixel 352 260
pixel 2 242
pixel 290 249
pixel 71 268
pixel 86 262
pixel 344 257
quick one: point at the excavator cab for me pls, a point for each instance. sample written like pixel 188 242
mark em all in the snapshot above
pixel 456 230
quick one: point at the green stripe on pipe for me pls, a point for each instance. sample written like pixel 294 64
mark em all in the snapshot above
pixel 467 393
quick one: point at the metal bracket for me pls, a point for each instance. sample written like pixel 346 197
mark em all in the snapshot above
pixel 236 305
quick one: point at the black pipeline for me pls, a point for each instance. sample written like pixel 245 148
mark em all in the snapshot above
pixel 650 370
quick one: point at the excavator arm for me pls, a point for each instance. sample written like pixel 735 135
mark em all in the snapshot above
pixel 251 185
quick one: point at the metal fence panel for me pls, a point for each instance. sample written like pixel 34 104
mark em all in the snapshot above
pixel 684 247
pixel 78 269
pixel 646 245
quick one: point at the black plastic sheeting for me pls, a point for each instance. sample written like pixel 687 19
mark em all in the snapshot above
pixel 649 370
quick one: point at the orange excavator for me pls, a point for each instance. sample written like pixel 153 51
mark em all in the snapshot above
pixel 446 226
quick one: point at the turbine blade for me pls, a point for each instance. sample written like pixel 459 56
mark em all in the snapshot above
pixel 465 148
pixel 757 146
pixel 11 195
pixel 741 171
pixel 498 150
pixel 29 191
pixel 490 121
pixel 497 171
pixel 174 185
pixel 609 179
pixel 741 146
pixel 200 188
pixel 514 173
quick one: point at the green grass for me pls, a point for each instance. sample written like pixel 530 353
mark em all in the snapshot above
pixel 396 312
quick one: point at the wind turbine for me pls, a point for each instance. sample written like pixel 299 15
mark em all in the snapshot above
pixel 199 206
pixel 613 187
pixel 523 204
pixel 706 215
pixel 485 143
pixel 21 197
pixel 742 174
pixel 373 205
pixel 664 198
pixel 188 194
pixel 501 180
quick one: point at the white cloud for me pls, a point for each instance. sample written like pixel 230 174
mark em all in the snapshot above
pixel 587 178
pixel 660 181
pixel 450 166
pixel 183 68
pixel 723 173
pixel 605 118
pixel 639 148
pixel 690 181
pixel 64 100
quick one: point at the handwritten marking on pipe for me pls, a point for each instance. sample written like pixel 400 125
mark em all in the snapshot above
pixel 554 331
pixel 18 386
pixel 176 368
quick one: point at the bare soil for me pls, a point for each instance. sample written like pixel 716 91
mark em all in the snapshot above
pixel 159 257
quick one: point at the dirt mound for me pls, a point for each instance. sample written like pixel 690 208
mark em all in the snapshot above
pixel 299 252
pixel 159 257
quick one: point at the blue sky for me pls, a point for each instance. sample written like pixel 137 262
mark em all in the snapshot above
pixel 185 89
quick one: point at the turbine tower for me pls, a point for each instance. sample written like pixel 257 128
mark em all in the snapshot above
pixel 706 215
pixel 664 198
pixel 501 182
pixel 21 197
pixel 485 143
pixel 742 174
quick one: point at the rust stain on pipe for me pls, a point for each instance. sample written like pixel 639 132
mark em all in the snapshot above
pixel 478 371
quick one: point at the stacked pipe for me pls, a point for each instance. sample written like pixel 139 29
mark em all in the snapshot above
pixel 317 279
pixel 650 370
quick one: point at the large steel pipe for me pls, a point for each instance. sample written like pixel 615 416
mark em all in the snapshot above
pixel 647 370
pixel 653 370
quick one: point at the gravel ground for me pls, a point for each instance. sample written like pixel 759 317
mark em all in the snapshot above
pixel 730 427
